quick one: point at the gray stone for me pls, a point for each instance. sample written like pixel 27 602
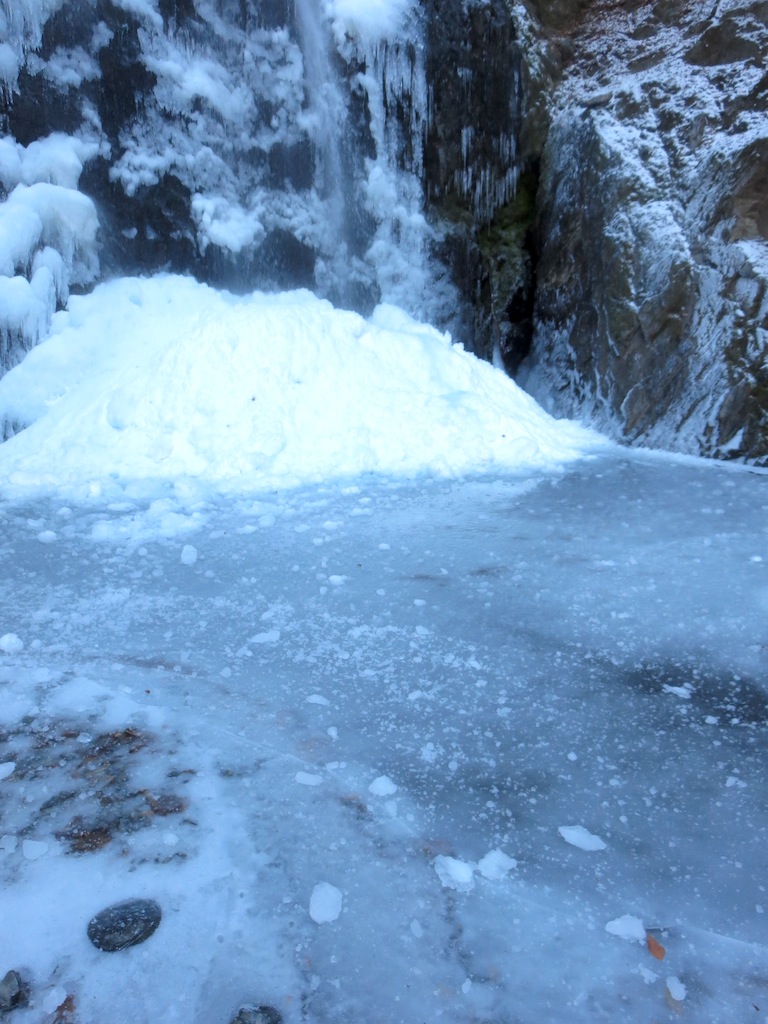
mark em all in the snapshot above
pixel 13 992
pixel 124 924
pixel 257 1015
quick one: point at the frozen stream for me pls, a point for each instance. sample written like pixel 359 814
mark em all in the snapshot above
pixel 199 718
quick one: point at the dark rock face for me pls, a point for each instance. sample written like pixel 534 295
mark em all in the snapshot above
pixel 13 992
pixel 651 315
pixel 478 185
pixel 124 924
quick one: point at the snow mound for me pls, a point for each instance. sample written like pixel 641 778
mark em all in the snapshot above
pixel 167 380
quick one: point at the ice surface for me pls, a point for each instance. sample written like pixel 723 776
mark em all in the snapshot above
pixel 557 608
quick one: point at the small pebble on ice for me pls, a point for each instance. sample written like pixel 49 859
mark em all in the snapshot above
pixel 466 986
pixel 382 786
pixel 325 903
pixel 32 849
pixel 308 780
pixel 11 644
pixel 333 732
pixel 455 874
pixel 188 555
pixel 7 769
pixel 573 757
pixel 416 930
pixel 676 989
pixel 496 865
pixel 627 927
pixel 578 836
pixel 47 537
pixel 316 698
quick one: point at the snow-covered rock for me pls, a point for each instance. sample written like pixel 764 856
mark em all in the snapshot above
pixel 651 306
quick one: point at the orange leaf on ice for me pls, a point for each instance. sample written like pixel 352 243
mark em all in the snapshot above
pixel 655 948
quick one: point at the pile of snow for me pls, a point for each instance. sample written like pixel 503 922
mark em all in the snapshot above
pixel 168 380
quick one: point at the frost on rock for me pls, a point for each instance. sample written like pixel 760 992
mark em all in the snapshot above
pixel 652 295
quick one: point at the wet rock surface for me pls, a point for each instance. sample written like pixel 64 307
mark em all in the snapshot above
pixel 124 924
pixel 13 992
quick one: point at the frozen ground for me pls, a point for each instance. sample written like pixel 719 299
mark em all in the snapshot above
pixel 403 700
pixel 362 692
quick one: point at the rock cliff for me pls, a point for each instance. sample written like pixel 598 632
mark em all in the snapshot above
pixel 575 188
pixel 651 239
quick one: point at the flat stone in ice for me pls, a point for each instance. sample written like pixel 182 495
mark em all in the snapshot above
pixel 257 1015
pixel 124 924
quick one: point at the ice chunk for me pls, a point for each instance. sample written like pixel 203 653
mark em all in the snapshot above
pixel 496 865
pixel 325 903
pixel 270 637
pixel 382 786
pixel 627 927
pixel 308 780
pixel 676 988
pixel 188 555
pixel 33 849
pixel 6 769
pixel 578 836
pixel 11 644
pixel 455 874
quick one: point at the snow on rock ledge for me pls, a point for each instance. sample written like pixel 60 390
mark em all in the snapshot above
pixel 165 379
pixel 47 238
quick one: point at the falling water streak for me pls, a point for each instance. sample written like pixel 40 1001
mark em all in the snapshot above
pixel 327 124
